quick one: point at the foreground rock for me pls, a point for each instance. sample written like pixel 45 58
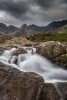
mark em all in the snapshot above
pixel 51 49
pixel 55 51
pixel 49 92
pixel 17 85
pixel 62 90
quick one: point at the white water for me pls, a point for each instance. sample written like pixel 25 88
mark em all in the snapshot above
pixel 32 62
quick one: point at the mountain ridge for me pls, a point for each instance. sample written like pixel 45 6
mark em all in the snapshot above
pixel 31 29
pixel 7 29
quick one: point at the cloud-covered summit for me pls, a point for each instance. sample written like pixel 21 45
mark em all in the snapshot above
pixel 39 12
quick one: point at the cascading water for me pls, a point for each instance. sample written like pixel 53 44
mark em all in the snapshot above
pixel 31 62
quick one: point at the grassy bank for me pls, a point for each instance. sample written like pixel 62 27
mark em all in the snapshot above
pixel 62 37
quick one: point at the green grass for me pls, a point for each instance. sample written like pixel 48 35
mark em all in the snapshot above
pixel 62 37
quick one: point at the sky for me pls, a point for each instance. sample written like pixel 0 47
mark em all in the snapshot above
pixel 38 12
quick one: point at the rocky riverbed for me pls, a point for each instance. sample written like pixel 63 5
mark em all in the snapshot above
pixel 19 85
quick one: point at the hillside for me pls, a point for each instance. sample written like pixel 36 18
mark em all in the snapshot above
pixel 62 29
pixel 50 36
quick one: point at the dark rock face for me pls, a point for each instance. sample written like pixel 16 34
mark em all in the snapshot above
pixel 17 85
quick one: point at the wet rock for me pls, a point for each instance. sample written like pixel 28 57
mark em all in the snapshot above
pixel 19 51
pixel 62 90
pixel 49 92
pixel 17 85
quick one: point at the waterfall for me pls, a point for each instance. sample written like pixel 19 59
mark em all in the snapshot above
pixel 31 62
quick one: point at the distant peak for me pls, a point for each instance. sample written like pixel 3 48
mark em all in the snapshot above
pixel 24 25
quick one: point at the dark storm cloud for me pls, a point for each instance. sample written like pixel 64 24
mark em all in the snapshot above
pixel 65 1
pixel 15 8
pixel 44 3
pixel 37 12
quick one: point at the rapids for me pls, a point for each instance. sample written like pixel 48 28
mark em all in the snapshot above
pixel 32 62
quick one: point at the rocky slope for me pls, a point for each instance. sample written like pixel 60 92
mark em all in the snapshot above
pixel 62 29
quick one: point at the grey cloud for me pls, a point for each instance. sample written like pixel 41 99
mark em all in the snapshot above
pixel 14 7
pixel 45 4
pixel 65 1
pixel 38 12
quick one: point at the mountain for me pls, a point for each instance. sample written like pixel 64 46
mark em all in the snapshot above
pixel 3 26
pixel 12 29
pixel 31 29
pixel 62 29
pixel 7 29
pixel 24 30
pixel 55 25
pixel 27 30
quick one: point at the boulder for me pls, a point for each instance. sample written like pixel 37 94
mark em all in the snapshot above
pixel 18 85
pixel 19 51
pixel 55 51
pixel 51 49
